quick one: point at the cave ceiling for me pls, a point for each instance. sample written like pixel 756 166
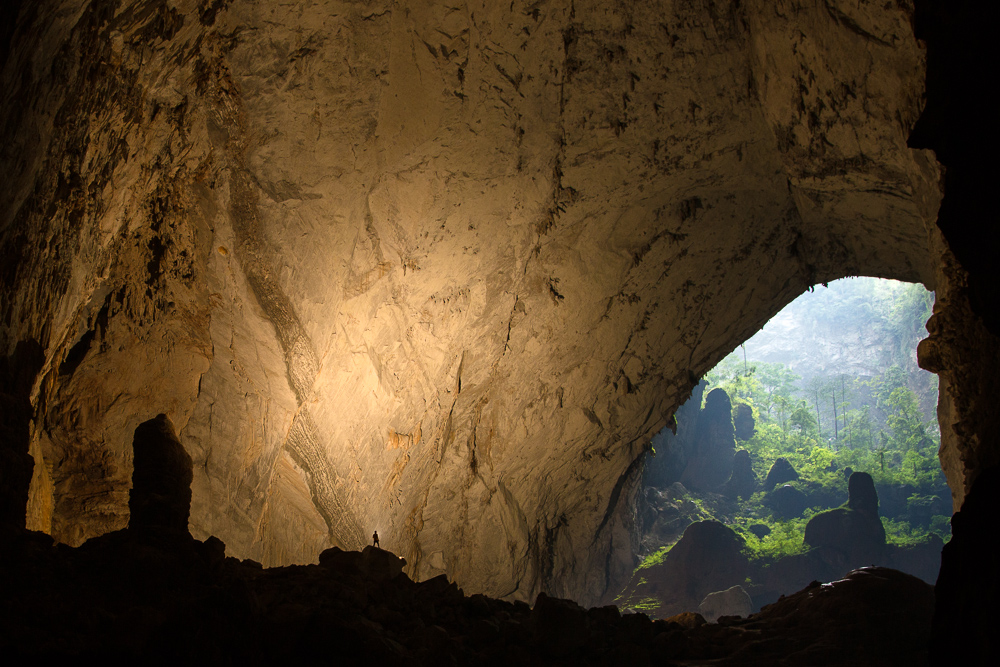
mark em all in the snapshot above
pixel 435 269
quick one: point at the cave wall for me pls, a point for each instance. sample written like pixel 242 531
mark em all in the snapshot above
pixel 436 269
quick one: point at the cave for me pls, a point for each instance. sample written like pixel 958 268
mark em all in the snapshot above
pixel 443 269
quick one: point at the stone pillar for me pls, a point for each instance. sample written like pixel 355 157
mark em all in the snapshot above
pixel 161 481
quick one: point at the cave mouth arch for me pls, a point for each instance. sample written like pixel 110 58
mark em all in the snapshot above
pixel 771 437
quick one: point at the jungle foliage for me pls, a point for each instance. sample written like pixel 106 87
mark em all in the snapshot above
pixel 839 421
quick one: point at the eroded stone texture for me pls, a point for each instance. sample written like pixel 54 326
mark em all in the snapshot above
pixel 439 269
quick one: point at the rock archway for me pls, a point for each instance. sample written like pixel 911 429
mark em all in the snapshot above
pixel 438 269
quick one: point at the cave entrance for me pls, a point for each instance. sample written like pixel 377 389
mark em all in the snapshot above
pixel 819 412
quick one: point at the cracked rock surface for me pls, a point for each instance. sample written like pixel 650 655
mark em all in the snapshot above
pixel 435 269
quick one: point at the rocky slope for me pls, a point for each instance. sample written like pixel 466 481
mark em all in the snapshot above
pixel 439 269
pixel 164 599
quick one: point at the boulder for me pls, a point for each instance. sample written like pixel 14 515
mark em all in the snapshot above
pixel 731 602
pixel 708 557
pixel 744 424
pixel 743 481
pixel 760 530
pixel 787 502
pixel 781 471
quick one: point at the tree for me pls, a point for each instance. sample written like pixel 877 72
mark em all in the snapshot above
pixel 904 418
pixel 802 419
pixel 815 385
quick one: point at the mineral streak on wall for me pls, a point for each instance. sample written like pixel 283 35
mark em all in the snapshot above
pixel 436 268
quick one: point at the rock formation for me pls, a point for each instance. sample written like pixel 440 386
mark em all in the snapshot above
pixel 781 471
pixel 850 536
pixel 161 479
pixel 441 271
pixel 861 494
pixel 707 558
pixel 787 502
pixel 710 461
pixel 730 602
pixel 743 481
pixel 700 452
pixel 743 423
pixel 671 446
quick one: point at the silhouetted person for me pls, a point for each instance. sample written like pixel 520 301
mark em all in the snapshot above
pixel 375 540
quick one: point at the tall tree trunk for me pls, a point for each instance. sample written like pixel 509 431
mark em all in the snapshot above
pixel 836 432
pixel 819 424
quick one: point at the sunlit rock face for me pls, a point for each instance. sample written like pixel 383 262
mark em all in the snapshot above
pixel 435 269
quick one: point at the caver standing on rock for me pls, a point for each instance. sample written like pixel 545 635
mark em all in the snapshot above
pixel 375 540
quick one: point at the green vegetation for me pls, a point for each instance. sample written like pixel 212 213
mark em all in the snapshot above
pixel 785 538
pixel 873 412
pixel 655 558
pixel 898 448
pixel 836 421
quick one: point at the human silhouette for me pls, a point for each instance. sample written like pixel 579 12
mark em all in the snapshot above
pixel 375 540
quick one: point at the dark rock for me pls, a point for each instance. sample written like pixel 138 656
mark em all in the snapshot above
pixel 784 576
pixel 674 448
pixel 744 424
pixel 787 502
pixel 873 616
pixel 337 558
pixel 743 481
pixel 161 479
pixel 17 372
pixel 964 630
pixel 760 530
pixel 372 563
pixel 861 495
pixel 847 537
pixel 922 560
pixel 559 625
pixel 710 464
pixel 635 628
pixel 850 536
pixel 381 565
pixel 708 557
pixel 781 471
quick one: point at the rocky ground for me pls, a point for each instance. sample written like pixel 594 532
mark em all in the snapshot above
pixel 162 596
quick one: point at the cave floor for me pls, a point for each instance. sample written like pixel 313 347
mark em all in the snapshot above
pixel 163 597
